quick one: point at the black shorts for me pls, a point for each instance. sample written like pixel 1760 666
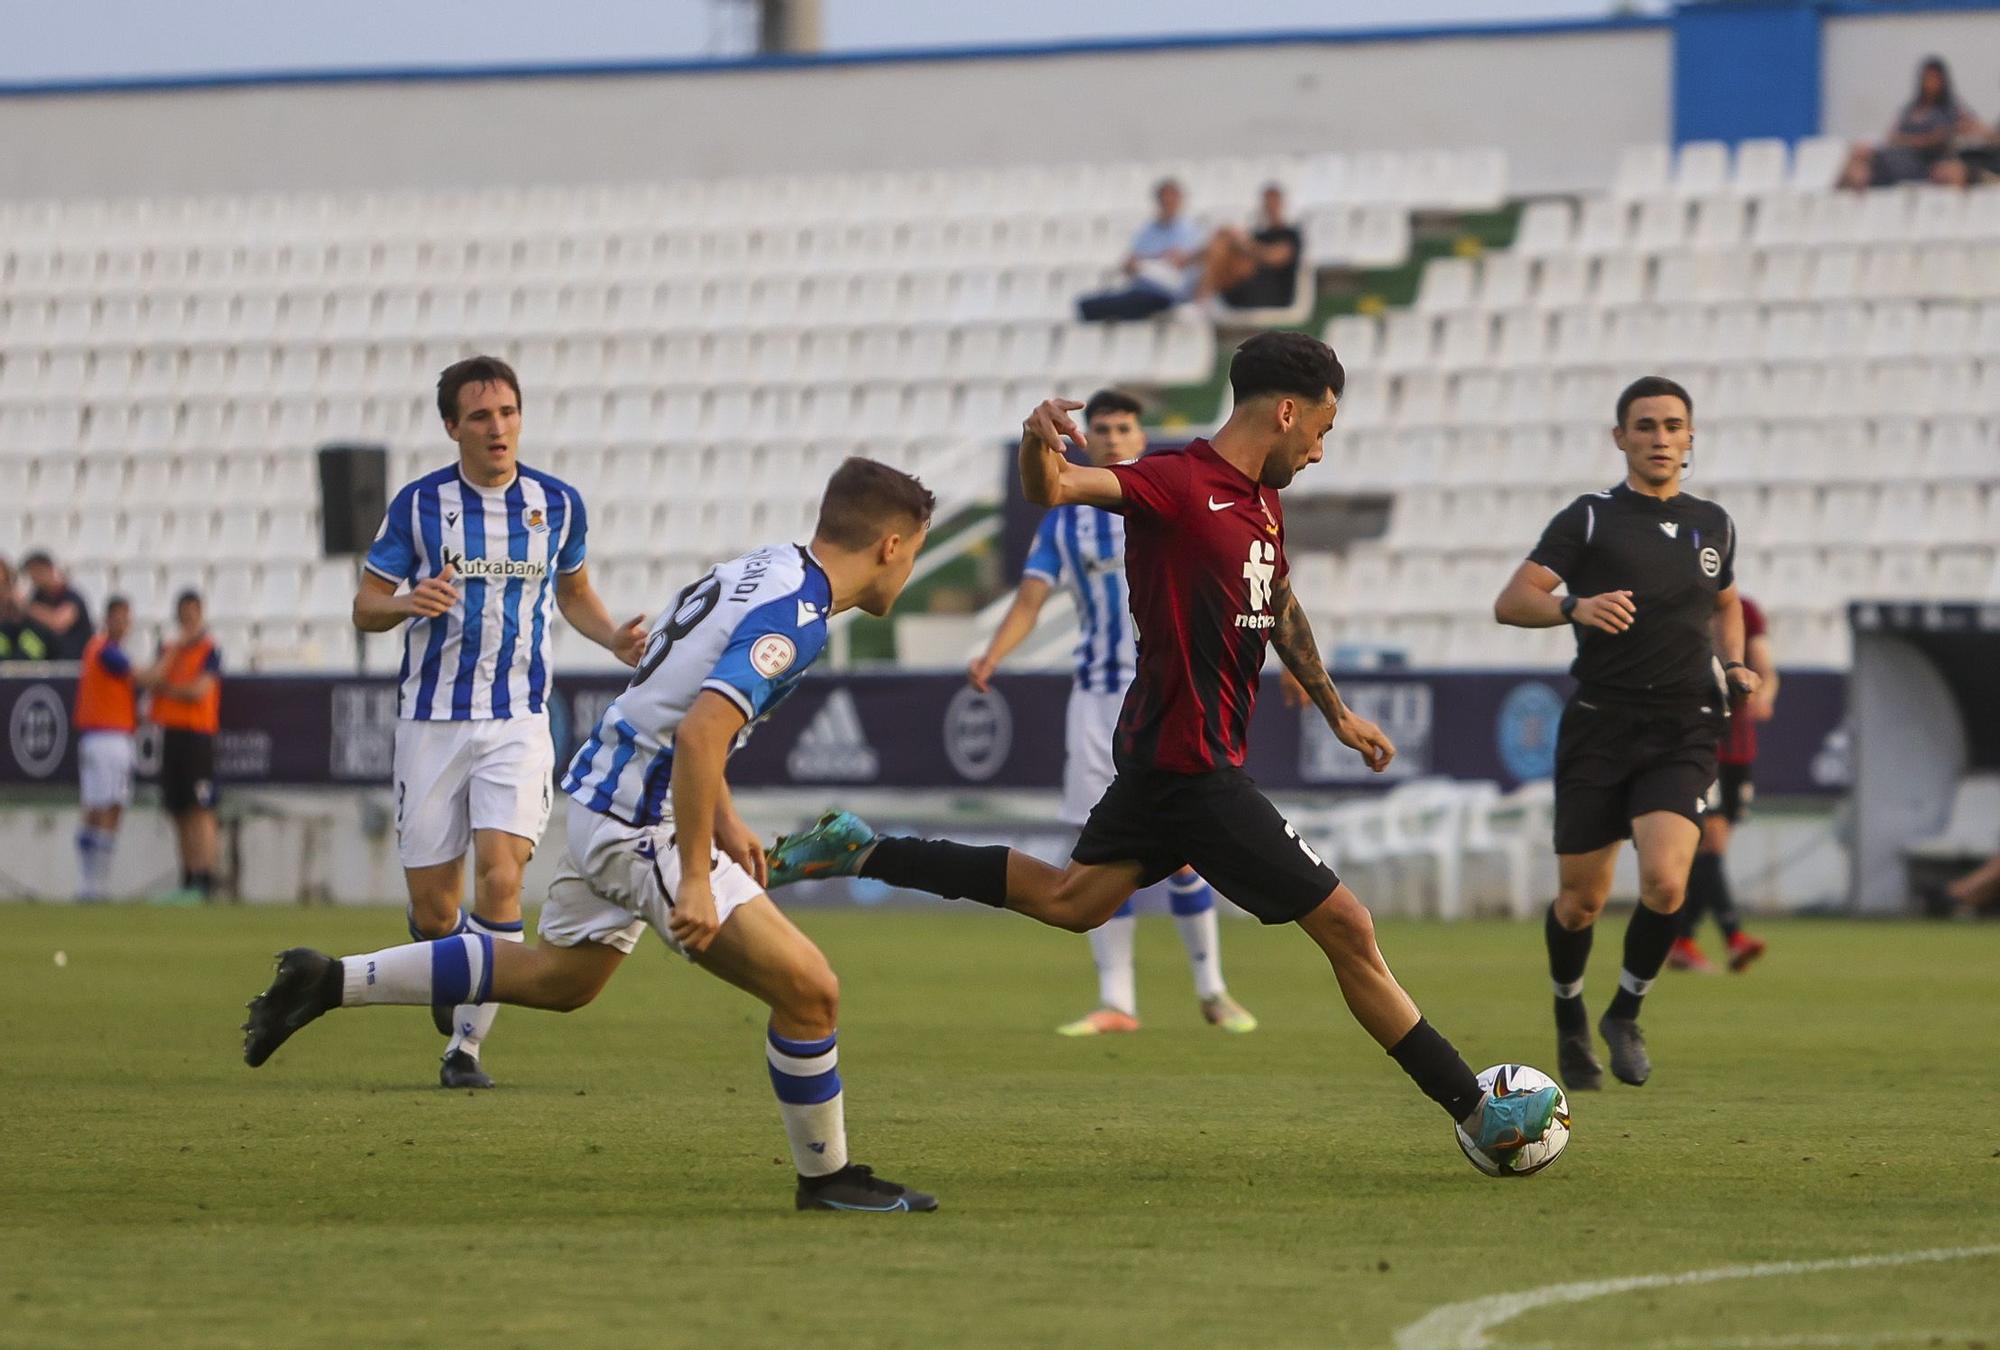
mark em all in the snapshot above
pixel 1218 823
pixel 1616 762
pixel 187 771
pixel 1732 794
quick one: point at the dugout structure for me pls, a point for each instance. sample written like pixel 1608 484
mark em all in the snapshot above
pixel 1923 714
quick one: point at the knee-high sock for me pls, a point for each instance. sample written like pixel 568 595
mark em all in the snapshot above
pixel 1111 948
pixel 451 970
pixel 806 1077
pixel 944 868
pixel 1569 953
pixel 1713 877
pixel 1437 1068
pixel 470 1022
pixel 1702 877
pixel 93 861
pixel 1193 904
pixel 1647 938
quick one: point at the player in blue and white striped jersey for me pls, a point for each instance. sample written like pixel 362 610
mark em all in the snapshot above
pixel 1085 547
pixel 483 543
pixel 654 839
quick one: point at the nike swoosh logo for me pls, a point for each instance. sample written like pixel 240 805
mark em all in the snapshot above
pixel 1215 505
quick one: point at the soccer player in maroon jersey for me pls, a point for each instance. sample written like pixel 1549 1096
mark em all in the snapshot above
pixel 1728 801
pixel 1205 560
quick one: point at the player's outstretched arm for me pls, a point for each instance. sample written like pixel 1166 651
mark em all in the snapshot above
pixel 584 610
pixel 701 751
pixel 1293 638
pixel 1013 630
pixel 1047 476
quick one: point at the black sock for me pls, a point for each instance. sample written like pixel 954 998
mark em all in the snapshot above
pixel 1720 902
pixel 203 882
pixel 1702 876
pixel 1569 953
pixel 1439 1070
pixel 187 879
pixel 954 871
pixel 1647 938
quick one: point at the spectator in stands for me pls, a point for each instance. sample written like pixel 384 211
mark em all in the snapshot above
pixel 1257 268
pixel 1162 267
pixel 57 611
pixel 20 640
pixel 187 706
pixel 1924 142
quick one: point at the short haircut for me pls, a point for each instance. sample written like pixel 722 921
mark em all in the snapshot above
pixel 473 370
pixel 1166 183
pixel 189 594
pixel 1281 362
pixel 116 602
pixel 39 557
pixel 866 499
pixel 1110 401
pixel 1652 386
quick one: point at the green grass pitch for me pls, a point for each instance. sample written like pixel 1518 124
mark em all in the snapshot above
pixel 627 1184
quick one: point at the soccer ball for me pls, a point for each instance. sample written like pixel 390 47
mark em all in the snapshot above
pixel 1501 1080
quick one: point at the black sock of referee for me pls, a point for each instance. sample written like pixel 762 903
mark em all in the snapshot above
pixel 1720 901
pixel 1702 879
pixel 1438 1069
pixel 1569 953
pixel 1647 938
pixel 954 871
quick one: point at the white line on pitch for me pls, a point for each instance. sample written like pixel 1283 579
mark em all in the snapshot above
pixel 1463 1326
pixel 1814 1340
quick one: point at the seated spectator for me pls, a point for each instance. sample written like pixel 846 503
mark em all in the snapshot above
pixel 1924 143
pixel 1259 268
pixel 20 640
pixel 1162 267
pixel 55 610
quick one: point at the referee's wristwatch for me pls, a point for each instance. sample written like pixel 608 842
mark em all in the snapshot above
pixel 1569 608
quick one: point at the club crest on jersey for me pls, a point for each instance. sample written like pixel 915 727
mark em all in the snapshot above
pixel 1270 521
pixel 535 521
pixel 772 655
pixel 1711 562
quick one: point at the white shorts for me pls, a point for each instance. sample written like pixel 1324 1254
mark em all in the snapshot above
pixel 494 773
pixel 1087 769
pixel 104 768
pixel 616 879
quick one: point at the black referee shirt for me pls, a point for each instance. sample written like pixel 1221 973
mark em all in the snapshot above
pixel 1675 556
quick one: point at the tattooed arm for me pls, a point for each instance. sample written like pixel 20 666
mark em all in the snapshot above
pixel 1293 637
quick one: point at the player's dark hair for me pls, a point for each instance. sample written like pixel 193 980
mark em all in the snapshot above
pixel 115 602
pixel 1166 183
pixel 40 556
pixel 866 499
pixel 1297 364
pixel 189 594
pixel 473 370
pixel 1110 401
pixel 1652 386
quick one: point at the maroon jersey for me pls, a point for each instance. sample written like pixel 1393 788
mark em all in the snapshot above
pixel 1204 545
pixel 1739 738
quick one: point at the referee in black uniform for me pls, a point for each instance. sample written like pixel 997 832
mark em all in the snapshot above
pixel 1650 576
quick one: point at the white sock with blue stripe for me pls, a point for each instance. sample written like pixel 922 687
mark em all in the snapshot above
pixel 1193 904
pixel 455 969
pixel 470 1022
pixel 806 1077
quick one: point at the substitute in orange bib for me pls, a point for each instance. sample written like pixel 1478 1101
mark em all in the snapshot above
pixel 187 706
pixel 107 716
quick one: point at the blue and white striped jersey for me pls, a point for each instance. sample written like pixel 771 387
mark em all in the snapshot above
pixel 1086 547
pixel 748 630
pixel 490 656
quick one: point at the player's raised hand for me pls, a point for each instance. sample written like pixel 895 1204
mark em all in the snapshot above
pixel 1611 612
pixel 692 918
pixel 628 643
pixel 434 596
pixel 1050 422
pixel 980 672
pixel 1359 734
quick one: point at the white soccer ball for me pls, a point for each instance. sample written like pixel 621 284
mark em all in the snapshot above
pixel 1504 1080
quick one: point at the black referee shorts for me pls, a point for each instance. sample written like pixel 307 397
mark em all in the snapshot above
pixel 1218 823
pixel 1616 762
pixel 187 771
